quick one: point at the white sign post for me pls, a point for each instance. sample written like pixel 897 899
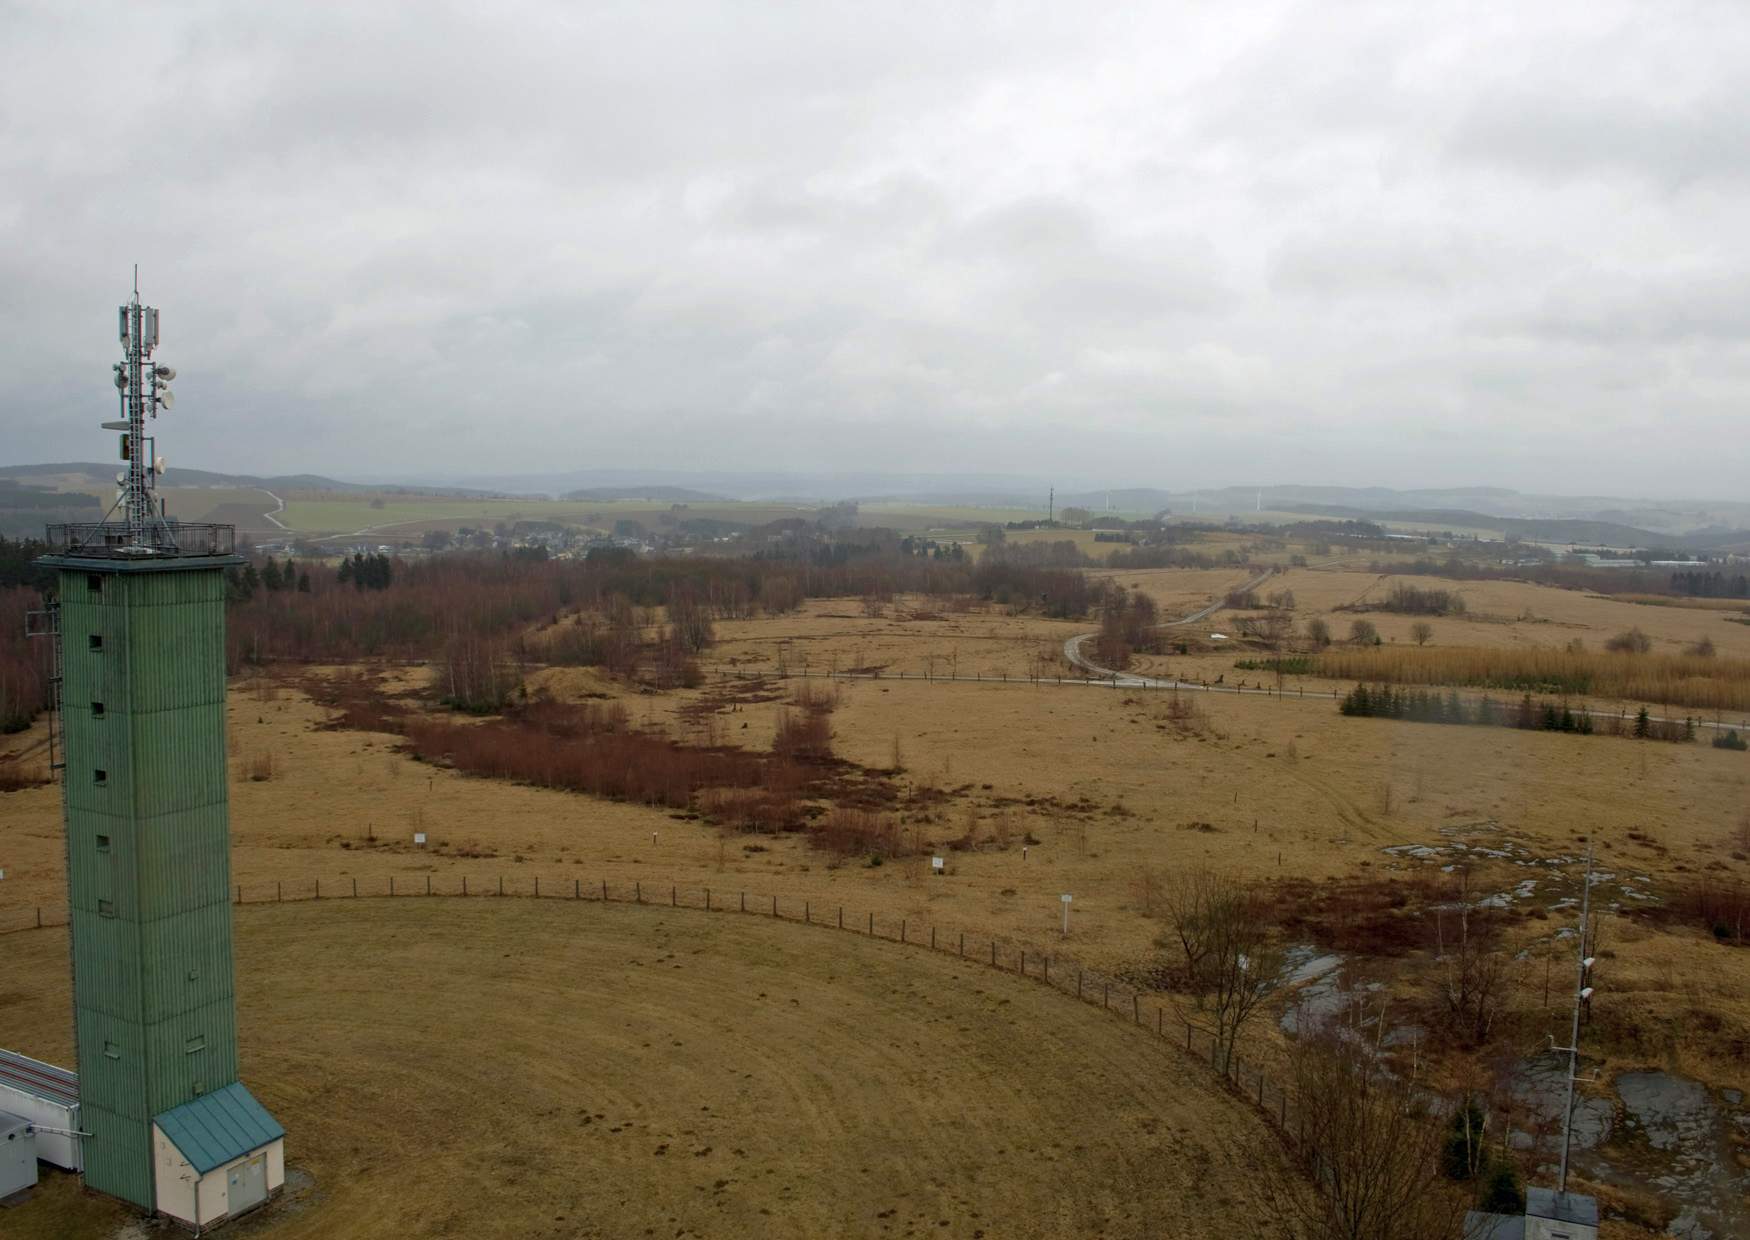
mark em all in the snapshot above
pixel 419 838
pixel 936 864
pixel 1065 897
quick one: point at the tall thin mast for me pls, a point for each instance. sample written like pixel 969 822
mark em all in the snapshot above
pixel 1582 963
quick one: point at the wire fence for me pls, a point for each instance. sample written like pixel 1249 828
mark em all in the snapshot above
pixel 1623 715
pixel 1138 1006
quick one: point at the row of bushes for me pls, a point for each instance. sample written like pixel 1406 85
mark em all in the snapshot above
pixel 1422 706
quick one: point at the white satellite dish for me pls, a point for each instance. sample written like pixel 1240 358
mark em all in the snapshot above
pixel 121 479
pixel 165 373
pixel 121 380
pixel 158 466
pixel 167 398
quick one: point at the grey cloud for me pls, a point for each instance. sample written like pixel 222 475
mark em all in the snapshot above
pixel 1189 246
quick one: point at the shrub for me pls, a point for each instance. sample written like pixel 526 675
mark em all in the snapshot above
pixel 1630 641
pixel 1731 740
pixel 1362 633
pixel 806 735
pixel 1501 1192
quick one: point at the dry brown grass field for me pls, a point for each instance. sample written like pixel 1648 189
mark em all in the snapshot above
pixel 514 1068
pixel 1090 790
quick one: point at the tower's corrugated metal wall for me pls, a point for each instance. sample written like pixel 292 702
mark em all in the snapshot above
pixel 148 851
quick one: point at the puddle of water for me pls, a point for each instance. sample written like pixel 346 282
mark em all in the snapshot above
pixel 1539 1086
pixel 1673 1112
pixel 1687 1156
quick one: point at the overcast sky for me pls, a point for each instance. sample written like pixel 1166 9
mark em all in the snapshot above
pixel 1197 245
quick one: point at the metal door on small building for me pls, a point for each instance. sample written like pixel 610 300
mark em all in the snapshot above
pixel 247 1185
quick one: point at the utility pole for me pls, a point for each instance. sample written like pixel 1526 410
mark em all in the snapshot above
pixel 1582 992
pixel 1051 508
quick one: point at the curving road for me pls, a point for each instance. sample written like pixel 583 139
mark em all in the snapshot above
pixel 1072 649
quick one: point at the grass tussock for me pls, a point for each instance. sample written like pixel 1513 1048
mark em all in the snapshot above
pixel 17 776
pixel 1678 680
pixel 851 832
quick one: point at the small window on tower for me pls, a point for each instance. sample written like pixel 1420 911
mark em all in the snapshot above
pixel 94 582
pixel 100 777
pixel 103 843
pixel 95 642
pixel 97 710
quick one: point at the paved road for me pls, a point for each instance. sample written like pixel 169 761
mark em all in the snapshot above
pixel 1072 649
pixel 279 506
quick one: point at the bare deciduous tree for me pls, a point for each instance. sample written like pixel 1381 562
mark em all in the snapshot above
pixel 1231 957
pixel 1371 1148
pixel 1472 981
pixel 1420 632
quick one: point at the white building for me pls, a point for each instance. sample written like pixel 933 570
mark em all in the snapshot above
pixel 216 1157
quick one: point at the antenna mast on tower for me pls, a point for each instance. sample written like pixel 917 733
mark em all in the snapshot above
pixel 143 386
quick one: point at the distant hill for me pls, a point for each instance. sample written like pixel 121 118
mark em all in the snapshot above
pixel 178 477
pixel 662 494
pixel 1531 529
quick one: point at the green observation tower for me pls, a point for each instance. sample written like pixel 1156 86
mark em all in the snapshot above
pixel 140 616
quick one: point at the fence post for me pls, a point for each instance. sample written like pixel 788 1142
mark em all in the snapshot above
pixel 841 917
pixel 577 889
pixel 464 884
pixel 871 924
pixel 637 892
pixel 604 891
pixel 707 899
pixel 537 886
pixel 318 889
pixel 278 891
pixel 500 884
pixel 391 884
pixel 674 898
pixel 744 901
pixel 807 914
